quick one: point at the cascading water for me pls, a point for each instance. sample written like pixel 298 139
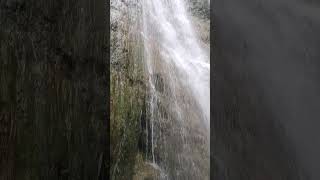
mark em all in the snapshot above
pixel 178 71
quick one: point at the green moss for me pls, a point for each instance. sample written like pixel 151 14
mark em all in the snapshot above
pixel 127 102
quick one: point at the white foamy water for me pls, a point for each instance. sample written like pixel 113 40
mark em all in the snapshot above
pixel 179 84
pixel 179 46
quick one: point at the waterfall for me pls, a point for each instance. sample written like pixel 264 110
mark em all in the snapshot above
pixel 178 72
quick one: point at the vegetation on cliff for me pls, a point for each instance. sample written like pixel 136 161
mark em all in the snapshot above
pixel 127 89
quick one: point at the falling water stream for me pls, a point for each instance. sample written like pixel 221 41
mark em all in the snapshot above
pixel 178 71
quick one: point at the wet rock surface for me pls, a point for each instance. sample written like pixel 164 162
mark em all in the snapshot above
pixel 130 121
pixel 127 89
pixel 144 170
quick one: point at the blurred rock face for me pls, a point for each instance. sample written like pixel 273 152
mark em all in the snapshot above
pixel 264 123
pixel 53 78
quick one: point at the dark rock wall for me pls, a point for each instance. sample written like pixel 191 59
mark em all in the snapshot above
pixel 54 79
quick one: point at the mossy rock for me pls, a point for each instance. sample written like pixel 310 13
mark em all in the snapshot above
pixel 145 170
